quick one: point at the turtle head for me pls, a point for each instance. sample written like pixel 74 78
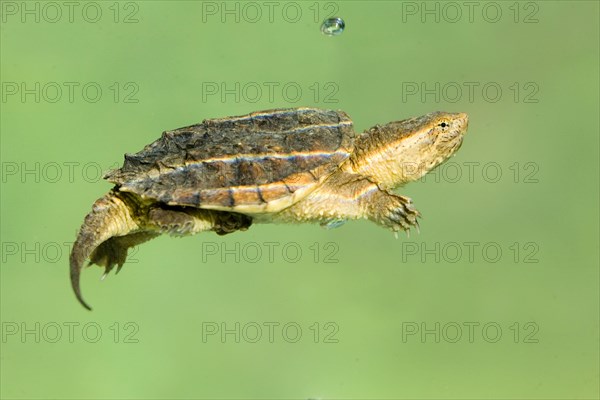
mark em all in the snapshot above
pixel 403 151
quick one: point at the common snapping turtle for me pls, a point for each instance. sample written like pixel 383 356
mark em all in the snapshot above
pixel 285 165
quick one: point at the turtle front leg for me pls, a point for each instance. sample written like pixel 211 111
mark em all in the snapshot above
pixel 349 196
pixel 390 210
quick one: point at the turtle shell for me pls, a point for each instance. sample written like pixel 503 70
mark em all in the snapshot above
pixel 260 162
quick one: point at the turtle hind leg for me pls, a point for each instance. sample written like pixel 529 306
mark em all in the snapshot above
pixel 121 220
pixel 183 221
pixel 175 221
pixel 111 216
pixel 114 250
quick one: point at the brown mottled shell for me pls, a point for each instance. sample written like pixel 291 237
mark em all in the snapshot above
pixel 260 162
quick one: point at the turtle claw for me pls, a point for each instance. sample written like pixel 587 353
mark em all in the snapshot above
pixel 109 264
pixel 399 214
pixel 119 268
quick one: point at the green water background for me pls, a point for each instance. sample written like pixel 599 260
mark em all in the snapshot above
pixel 355 290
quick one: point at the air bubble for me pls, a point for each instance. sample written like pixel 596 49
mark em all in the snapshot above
pixel 333 26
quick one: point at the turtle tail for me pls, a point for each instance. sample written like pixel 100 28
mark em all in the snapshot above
pixel 111 217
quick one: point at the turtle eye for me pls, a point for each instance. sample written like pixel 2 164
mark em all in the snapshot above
pixel 443 124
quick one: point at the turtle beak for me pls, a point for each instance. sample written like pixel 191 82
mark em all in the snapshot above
pixel 462 122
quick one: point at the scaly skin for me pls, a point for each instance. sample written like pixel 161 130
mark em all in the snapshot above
pixel 383 158
pixel 122 220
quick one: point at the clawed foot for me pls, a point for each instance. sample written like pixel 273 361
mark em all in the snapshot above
pixel 398 214
pixel 230 222
pixel 114 250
